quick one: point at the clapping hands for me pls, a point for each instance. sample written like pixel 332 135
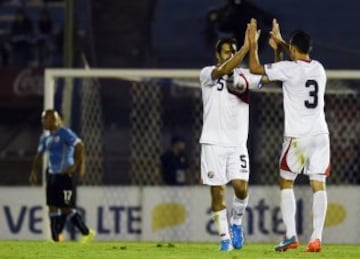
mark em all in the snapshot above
pixel 275 35
pixel 253 32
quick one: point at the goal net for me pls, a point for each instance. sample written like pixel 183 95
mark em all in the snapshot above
pixel 127 119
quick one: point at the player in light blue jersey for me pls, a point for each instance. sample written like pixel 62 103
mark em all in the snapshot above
pixel 66 162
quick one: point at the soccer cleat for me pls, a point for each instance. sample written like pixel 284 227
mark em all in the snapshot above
pixel 225 245
pixel 237 236
pixel 287 243
pixel 86 239
pixel 314 246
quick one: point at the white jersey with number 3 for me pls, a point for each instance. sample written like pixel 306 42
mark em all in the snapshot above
pixel 304 85
pixel 225 116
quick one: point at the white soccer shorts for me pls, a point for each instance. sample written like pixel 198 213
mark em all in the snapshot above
pixel 310 155
pixel 220 165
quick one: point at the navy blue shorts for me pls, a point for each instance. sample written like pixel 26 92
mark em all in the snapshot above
pixel 61 190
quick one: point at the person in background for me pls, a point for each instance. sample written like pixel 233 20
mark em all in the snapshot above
pixel 174 163
pixel 65 164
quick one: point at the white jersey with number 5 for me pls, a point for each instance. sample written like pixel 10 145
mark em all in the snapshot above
pixel 225 116
pixel 304 85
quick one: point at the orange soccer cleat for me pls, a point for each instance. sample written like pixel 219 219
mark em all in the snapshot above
pixel 313 246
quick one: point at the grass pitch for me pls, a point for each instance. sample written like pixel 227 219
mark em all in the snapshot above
pixel 151 250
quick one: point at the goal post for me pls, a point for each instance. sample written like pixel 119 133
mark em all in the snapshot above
pixel 51 74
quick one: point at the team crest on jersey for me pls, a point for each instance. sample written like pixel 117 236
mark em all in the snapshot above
pixel 211 174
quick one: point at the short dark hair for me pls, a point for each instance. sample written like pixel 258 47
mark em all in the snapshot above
pixel 302 41
pixel 223 41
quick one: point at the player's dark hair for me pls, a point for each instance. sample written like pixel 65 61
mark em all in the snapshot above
pixel 302 41
pixel 223 41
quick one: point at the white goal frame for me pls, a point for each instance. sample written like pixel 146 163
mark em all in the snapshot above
pixel 135 74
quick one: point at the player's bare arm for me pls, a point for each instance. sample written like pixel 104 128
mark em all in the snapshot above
pixel 276 48
pixel 229 65
pixel 254 63
pixel 80 158
pixel 36 169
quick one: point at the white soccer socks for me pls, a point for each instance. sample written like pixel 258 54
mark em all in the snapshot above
pixel 221 223
pixel 319 214
pixel 238 210
pixel 288 210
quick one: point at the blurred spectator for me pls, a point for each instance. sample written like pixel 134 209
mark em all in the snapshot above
pixel 21 39
pixel 45 40
pixel 230 20
pixel 174 163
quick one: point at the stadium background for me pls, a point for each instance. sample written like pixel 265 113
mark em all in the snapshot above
pixel 127 125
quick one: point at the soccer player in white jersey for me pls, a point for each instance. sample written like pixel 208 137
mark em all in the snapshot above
pixel 306 147
pixel 224 154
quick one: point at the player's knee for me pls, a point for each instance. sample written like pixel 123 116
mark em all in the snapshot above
pixel 217 191
pixel 240 189
pixel 317 185
pixel 285 183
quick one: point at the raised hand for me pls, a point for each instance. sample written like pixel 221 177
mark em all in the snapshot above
pixel 246 38
pixel 254 33
pixel 275 34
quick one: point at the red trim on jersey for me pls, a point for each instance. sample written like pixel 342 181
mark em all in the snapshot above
pixel 245 96
pixel 327 171
pixel 283 164
pixel 246 81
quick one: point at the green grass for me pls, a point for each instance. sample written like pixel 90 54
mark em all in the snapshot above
pixel 151 250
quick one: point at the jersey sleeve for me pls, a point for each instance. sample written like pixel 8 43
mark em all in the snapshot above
pixel 205 76
pixel 70 137
pixel 252 81
pixel 279 71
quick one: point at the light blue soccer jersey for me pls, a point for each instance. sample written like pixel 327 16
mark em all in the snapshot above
pixel 60 146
